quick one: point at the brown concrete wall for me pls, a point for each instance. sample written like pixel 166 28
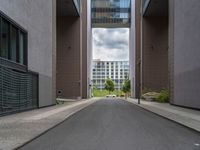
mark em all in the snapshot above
pixel 171 50
pixel 84 48
pixel 137 47
pixel 155 53
pixel 68 57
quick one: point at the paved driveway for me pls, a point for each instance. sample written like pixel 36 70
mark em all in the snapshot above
pixel 114 124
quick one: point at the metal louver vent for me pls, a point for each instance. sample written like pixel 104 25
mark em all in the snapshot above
pixel 18 91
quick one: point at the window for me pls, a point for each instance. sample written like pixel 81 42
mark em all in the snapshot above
pixel 13 44
pixel 4 39
pixel 13 41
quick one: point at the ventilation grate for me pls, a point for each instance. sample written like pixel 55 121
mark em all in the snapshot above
pixel 18 90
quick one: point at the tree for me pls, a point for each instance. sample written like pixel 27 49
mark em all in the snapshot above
pixel 126 87
pixel 109 85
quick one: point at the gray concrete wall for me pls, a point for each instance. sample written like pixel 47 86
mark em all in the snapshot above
pixel 36 17
pixel 155 53
pixel 69 57
pixel 186 52
pixel 132 49
pixel 86 48
pixel 89 52
pixel 54 61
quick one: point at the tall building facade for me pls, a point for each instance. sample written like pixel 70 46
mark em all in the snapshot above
pixel 73 49
pixel 45 48
pixel 27 45
pixel 118 71
pixel 39 59
pixel 167 49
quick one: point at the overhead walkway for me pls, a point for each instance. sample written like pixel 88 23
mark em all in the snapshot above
pixel 111 13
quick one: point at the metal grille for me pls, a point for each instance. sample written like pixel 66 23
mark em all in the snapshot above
pixel 18 90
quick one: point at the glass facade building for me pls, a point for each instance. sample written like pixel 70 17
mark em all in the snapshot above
pixel 118 71
pixel 111 13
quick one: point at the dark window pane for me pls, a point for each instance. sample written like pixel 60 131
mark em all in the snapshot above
pixel 0 35
pixel 4 39
pixel 21 48
pixel 13 44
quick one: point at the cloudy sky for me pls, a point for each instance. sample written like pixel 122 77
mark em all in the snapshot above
pixel 111 44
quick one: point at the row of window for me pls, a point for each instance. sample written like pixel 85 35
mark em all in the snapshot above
pixel 112 77
pixel 13 42
pixel 103 70
pixel 111 66
pixel 112 72
pixel 103 81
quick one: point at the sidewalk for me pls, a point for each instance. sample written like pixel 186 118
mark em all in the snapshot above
pixel 187 117
pixel 17 129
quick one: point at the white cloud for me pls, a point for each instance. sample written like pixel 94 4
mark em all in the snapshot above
pixel 111 44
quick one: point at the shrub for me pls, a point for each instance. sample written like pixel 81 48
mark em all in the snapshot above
pixel 163 97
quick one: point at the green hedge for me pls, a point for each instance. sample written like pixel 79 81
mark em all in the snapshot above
pixel 163 97
pixel 103 93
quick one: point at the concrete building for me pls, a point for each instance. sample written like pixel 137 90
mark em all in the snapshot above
pixel 118 71
pixel 167 49
pixel 27 61
pixel 73 49
pixel 44 52
pixel 45 48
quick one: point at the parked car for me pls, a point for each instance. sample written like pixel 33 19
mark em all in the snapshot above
pixel 110 96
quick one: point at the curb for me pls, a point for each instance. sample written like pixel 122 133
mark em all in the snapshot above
pixel 186 126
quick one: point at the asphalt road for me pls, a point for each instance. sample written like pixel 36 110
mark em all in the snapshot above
pixel 113 124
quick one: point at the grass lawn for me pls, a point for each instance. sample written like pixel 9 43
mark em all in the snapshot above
pixel 103 93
